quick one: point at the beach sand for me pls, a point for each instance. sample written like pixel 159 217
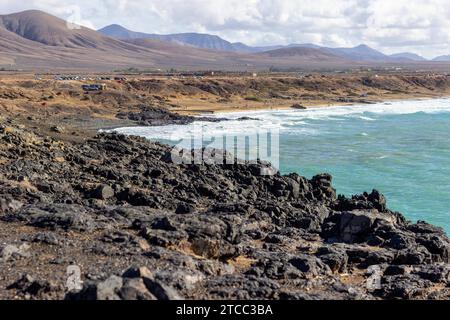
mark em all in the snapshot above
pixel 44 102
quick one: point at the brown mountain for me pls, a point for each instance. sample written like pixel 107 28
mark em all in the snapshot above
pixel 36 40
pixel 305 54
pixel 46 29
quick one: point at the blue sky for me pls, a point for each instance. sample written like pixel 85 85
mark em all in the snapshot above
pixel 391 26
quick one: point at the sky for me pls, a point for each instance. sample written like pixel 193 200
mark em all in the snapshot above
pixel 392 26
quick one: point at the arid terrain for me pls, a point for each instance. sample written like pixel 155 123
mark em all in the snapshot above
pixel 34 40
pixel 141 227
pixel 45 103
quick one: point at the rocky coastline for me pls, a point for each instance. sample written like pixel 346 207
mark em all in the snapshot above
pixel 157 116
pixel 138 226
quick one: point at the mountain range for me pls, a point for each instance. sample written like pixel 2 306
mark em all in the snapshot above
pixel 213 42
pixel 442 58
pixel 200 40
pixel 37 40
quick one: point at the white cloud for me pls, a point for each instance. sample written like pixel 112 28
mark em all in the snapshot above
pixel 422 26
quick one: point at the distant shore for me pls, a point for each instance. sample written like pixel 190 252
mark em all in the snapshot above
pixel 42 103
pixel 318 104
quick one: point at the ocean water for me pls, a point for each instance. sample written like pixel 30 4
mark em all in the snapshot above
pixel 400 148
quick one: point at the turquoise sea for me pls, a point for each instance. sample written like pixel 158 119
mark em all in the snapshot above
pixel 400 148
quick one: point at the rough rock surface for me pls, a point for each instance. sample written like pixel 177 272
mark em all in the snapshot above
pixel 141 227
pixel 157 116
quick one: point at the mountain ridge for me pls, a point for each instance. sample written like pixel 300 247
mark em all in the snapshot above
pixel 442 58
pixel 408 56
pixel 41 27
pixel 34 40
pixel 361 52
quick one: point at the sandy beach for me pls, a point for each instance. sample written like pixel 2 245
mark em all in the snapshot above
pixel 47 101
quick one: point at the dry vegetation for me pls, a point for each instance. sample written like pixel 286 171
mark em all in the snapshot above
pixel 42 103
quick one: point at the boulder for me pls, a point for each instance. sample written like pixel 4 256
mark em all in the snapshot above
pixel 214 249
pixel 157 289
pixel 13 252
pixel 46 237
pixel 135 289
pixel 365 256
pixel 9 205
pixel 413 256
pixel 55 216
pixel 336 259
pixel 356 225
pixel 103 192
pixel 323 189
pixel 401 241
pixel 437 245
pixel 109 289
pixel 359 225
pixel 184 208
pixel 26 284
pixel 160 290
pixel 366 201
pixel 298 106
pixel 437 273
pixel 137 272
pixel 310 266
pixel 402 287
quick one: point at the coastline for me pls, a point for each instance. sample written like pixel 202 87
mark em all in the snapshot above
pixel 69 194
pixel 222 113
pixel 318 105
pixel 119 200
pixel 45 103
pixel 225 160
pixel 362 123
pixel 243 115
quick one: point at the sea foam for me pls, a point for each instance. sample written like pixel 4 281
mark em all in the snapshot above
pixel 287 121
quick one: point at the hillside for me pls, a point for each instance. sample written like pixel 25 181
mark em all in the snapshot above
pixel 304 53
pixel 46 29
pixel 359 53
pixel 198 40
pixel 34 39
pixel 11 42
pixel 119 32
pixel 407 56
pixel 39 41
pixel 442 58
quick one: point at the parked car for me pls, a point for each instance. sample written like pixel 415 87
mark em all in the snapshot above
pixel 94 87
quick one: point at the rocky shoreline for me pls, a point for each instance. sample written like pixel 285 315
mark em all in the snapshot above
pixel 156 116
pixel 138 226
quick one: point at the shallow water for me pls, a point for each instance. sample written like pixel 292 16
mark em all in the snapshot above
pixel 400 148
